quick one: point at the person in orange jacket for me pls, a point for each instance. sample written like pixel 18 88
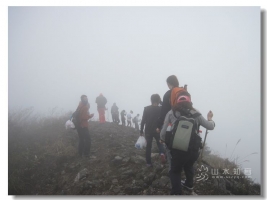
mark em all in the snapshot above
pixel 82 129
pixel 101 107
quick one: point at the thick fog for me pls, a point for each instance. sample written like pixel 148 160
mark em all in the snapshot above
pixel 56 54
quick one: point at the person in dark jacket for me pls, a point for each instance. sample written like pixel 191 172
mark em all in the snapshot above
pixel 172 82
pixel 115 113
pixel 82 129
pixel 149 120
pixel 101 107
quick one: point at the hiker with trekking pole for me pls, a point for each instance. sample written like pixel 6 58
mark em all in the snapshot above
pixel 183 140
pixel 166 106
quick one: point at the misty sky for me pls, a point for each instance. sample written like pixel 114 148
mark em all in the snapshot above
pixel 56 54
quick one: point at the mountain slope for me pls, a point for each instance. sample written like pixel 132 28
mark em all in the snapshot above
pixel 43 160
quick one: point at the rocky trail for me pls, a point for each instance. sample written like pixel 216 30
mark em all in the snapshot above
pixel 115 167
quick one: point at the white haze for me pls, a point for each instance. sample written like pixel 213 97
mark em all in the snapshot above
pixel 56 54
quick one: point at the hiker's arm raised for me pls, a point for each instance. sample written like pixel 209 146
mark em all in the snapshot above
pixel 208 124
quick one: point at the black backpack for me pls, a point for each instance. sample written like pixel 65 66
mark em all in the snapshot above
pixel 184 135
pixel 75 119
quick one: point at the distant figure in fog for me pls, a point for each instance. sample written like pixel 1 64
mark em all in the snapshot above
pixel 129 119
pixel 101 107
pixel 123 117
pixel 136 121
pixel 83 132
pixel 115 113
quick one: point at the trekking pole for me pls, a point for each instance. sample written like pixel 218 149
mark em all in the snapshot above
pixel 204 144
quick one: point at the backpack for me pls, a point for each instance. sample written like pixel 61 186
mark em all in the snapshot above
pixel 75 119
pixel 175 93
pixel 184 135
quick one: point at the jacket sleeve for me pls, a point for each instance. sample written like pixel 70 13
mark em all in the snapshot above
pixel 166 107
pixel 209 125
pixel 143 121
pixel 164 127
pixel 85 113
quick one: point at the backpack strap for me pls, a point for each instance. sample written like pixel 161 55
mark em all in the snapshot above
pixel 173 112
pixel 194 113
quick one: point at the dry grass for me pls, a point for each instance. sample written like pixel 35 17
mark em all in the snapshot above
pixel 245 185
pixel 33 138
pixel 36 143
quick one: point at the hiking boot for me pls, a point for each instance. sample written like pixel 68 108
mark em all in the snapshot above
pixel 162 158
pixel 185 186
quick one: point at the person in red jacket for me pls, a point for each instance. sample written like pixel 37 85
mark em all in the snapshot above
pixel 82 129
pixel 101 107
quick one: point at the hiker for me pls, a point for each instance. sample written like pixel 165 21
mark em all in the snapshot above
pixel 101 107
pixel 184 150
pixel 115 113
pixel 149 120
pixel 168 101
pixel 172 82
pixel 136 121
pixel 82 129
pixel 123 117
pixel 129 119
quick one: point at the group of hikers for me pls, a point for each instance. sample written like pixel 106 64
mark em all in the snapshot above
pixel 174 125
pixel 101 102
pixel 130 118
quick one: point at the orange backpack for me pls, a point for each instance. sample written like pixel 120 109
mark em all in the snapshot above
pixel 175 93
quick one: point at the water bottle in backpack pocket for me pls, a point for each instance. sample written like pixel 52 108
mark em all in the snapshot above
pixel 168 136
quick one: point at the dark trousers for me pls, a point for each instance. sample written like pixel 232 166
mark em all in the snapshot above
pixel 114 117
pixel 84 141
pixel 123 121
pixel 129 123
pixel 136 126
pixel 149 138
pixel 182 160
pixel 117 119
